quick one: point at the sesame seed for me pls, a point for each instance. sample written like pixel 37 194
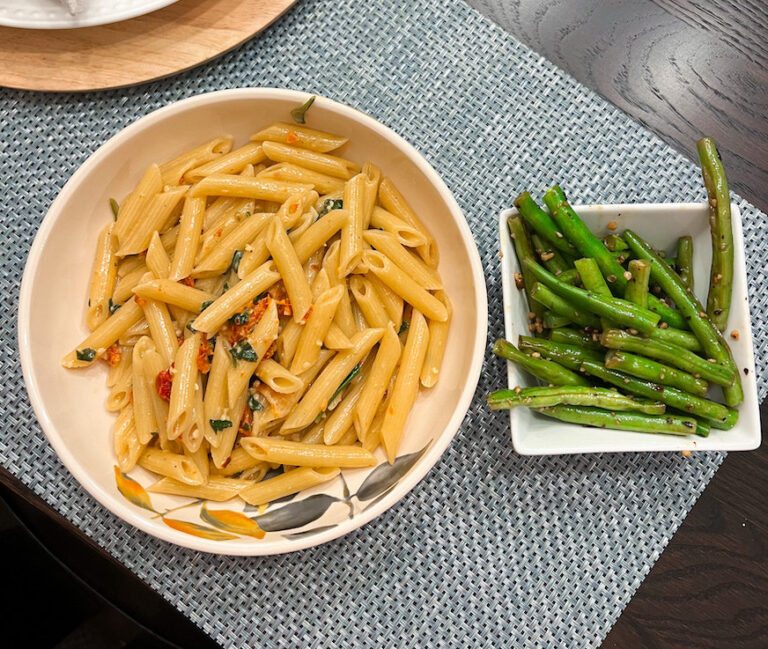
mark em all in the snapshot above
pixel 559 235
pixel 536 355
pixel 717 277
pixel 612 225
pixel 518 389
pixel 531 315
pixel 702 314
pixel 634 332
pixel 735 334
pixel 626 380
pixel 611 278
pixel 686 453
pixel 546 256
pixel 663 325
pixel 627 275
pixel 711 360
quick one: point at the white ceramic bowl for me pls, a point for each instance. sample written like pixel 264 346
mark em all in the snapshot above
pixel 660 224
pixel 52 14
pixel 70 404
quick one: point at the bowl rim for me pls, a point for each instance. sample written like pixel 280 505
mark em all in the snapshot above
pixel 681 443
pixel 409 480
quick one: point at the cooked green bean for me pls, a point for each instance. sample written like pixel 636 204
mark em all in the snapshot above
pixel 542 223
pixel 524 251
pixel 545 370
pixel 540 397
pixel 684 261
pixel 637 287
pixel 631 421
pixel 650 370
pixel 563 307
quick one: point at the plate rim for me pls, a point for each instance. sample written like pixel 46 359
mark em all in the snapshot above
pixel 75 22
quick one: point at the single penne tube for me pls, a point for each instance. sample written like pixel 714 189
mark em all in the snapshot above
pixel 119 370
pixel 288 341
pixel 301 226
pixel 336 339
pixel 153 218
pixel 314 434
pixel 198 453
pixel 283 451
pixel 212 236
pixel 125 441
pixel 190 226
pixel 169 238
pixel 154 364
pixel 322 162
pixel 229 163
pixel 236 298
pixel 129 264
pixel 143 411
pixel 294 207
pixel 161 329
pixel 381 372
pixel 120 392
pixel 312 268
pixel 135 204
pixel 222 455
pixel 368 301
pixel 288 483
pixel 171 292
pixel 255 254
pixel 372 175
pixel 172 465
pixel 173 171
pixel 344 318
pixel 414 267
pixel 320 283
pixel 249 352
pixel 316 328
pixel 393 201
pixel 127 283
pixel 301 136
pixel 278 377
pixel 158 261
pixel 392 302
pixel 289 267
pixel 323 183
pixel 181 415
pixel 318 396
pixel 405 286
pixel 360 322
pixel 438 335
pixel 107 333
pixel 223 206
pixel 219 258
pixel 239 460
pixel 351 247
pixel 245 187
pixel 318 234
pixel 406 385
pixel 216 397
pixel 217 488
pixel 341 419
pixel 405 234
pixel 103 278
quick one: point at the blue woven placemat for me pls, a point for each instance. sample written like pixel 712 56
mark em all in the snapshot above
pixel 491 549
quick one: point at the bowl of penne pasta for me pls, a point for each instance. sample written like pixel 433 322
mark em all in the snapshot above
pixel 257 347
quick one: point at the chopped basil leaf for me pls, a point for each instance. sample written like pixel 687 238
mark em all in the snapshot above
pixel 247 212
pixel 254 403
pixel 245 426
pixel 242 351
pixel 219 424
pixel 115 207
pixel 299 113
pixel 404 326
pixel 89 302
pixel 189 326
pixel 241 318
pixel 86 354
pixel 205 305
pixel 113 307
pixel 331 204
pixel 236 260
pixel 355 371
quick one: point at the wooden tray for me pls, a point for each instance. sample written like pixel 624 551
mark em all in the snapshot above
pixel 159 44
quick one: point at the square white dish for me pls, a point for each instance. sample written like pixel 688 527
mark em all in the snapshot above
pixel 660 224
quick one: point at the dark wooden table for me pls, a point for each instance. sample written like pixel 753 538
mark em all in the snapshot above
pixel 682 68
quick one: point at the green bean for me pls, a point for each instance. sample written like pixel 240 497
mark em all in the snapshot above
pixel 524 250
pixel 712 342
pixel 677 337
pixel 549 255
pixel 684 261
pixel 574 337
pixel 584 360
pixel 615 243
pixel 650 370
pixel 545 370
pixel 670 354
pixel 554 320
pixel 570 276
pixel 562 306
pixel 632 421
pixel 617 310
pixel 637 287
pixel 542 223
pixel 721 273
pixel 593 281
pixel 540 397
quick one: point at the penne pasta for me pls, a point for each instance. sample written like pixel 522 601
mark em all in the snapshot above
pixel 126 442
pixel 172 465
pixel 322 162
pixel 438 335
pixel 245 187
pixel 217 488
pixel 152 219
pixel 283 451
pixel 340 421
pixel 157 259
pixel 301 136
pixel 220 256
pixel 188 239
pixel 406 385
pixel 316 329
pixel 127 283
pixel 181 415
pixel 392 302
pixel 393 201
pixel 137 201
pixel 143 410
pixel 286 484
pixel 368 301
pixel 405 234
pixel 405 286
pixel 103 278
pixel 351 247
pixel 170 292
pixel 173 171
pixel 229 163
pixel 216 399
pixel 323 183
pixel 414 267
pixel 289 267
pixel 161 329
pixel 153 366
pixel 372 175
pixel 344 318
pixel 277 377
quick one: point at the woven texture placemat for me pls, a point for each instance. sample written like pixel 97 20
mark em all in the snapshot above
pixel 491 549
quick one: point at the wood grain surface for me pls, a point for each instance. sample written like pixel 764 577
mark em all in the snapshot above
pixel 683 68
pixel 165 42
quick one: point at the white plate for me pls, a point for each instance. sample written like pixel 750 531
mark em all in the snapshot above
pixel 70 405
pixel 660 224
pixel 52 14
